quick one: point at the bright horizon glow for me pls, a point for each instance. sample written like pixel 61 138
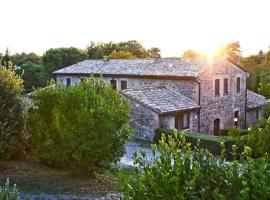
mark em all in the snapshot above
pixel 174 26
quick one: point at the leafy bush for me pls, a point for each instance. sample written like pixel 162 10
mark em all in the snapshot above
pixel 182 173
pixel 209 142
pixel 233 132
pixel 8 192
pixel 81 128
pixel 258 138
pixel 12 115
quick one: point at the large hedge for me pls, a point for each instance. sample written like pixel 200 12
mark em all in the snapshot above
pixel 81 128
pixel 206 141
pixel 12 115
pixel 181 172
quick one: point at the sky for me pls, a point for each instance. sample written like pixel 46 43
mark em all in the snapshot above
pixel 171 25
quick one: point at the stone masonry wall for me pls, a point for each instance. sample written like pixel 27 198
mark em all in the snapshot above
pixel 184 87
pixel 144 121
pixel 223 106
pixel 251 117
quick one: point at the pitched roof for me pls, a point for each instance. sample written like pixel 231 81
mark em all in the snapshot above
pixel 165 67
pixel 161 100
pixel 255 100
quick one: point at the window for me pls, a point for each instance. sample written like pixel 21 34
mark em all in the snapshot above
pixel 114 84
pixel 257 114
pixel 225 89
pixel 182 121
pixel 217 87
pixel 123 85
pixel 68 81
pixel 238 85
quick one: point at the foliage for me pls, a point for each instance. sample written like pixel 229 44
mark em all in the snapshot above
pixel 209 142
pixel 57 58
pixel 254 64
pixel 264 85
pixel 8 192
pixel 19 59
pixel 81 128
pixel 101 50
pixel 32 74
pixel 258 138
pixel 6 60
pixel 232 51
pixel 182 173
pixel 154 52
pixel 12 117
pixel 190 54
pixel 266 111
pixel 120 55
pixel 234 131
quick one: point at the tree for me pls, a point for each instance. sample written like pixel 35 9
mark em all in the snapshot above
pixel 255 65
pixel 264 85
pixel 121 55
pixel 6 60
pixel 100 50
pixel 232 51
pixel 57 58
pixel 154 52
pixel 82 128
pixel 19 59
pixel 12 117
pixel 190 54
pixel 267 59
pixel 32 74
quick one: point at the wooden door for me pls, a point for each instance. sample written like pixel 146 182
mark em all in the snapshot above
pixel 216 127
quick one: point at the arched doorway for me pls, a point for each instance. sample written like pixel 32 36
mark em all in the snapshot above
pixel 216 127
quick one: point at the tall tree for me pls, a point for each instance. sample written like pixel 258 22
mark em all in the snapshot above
pixel 19 59
pixel 32 74
pixel 232 51
pixel 57 58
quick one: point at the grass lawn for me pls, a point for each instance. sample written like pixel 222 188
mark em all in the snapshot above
pixel 33 177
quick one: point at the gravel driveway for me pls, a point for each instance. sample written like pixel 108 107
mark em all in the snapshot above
pixel 127 159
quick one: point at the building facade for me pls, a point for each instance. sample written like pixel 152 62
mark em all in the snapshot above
pixel 188 94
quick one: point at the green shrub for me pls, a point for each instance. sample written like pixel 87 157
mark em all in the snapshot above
pixel 8 192
pixel 209 142
pixel 81 128
pixel 183 173
pixel 258 138
pixel 12 115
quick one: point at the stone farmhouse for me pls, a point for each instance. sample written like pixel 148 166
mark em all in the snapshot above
pixel 188 94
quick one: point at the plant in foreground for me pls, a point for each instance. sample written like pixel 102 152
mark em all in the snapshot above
pixel 182 173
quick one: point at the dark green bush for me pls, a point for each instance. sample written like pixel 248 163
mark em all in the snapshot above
pixel 210 142
pixel 82 128
pixel 12 116
pixel 182 173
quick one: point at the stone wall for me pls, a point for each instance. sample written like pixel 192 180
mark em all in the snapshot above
pixel 144 121
pixel 252 118
pixel 223 106
pixel 185 87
